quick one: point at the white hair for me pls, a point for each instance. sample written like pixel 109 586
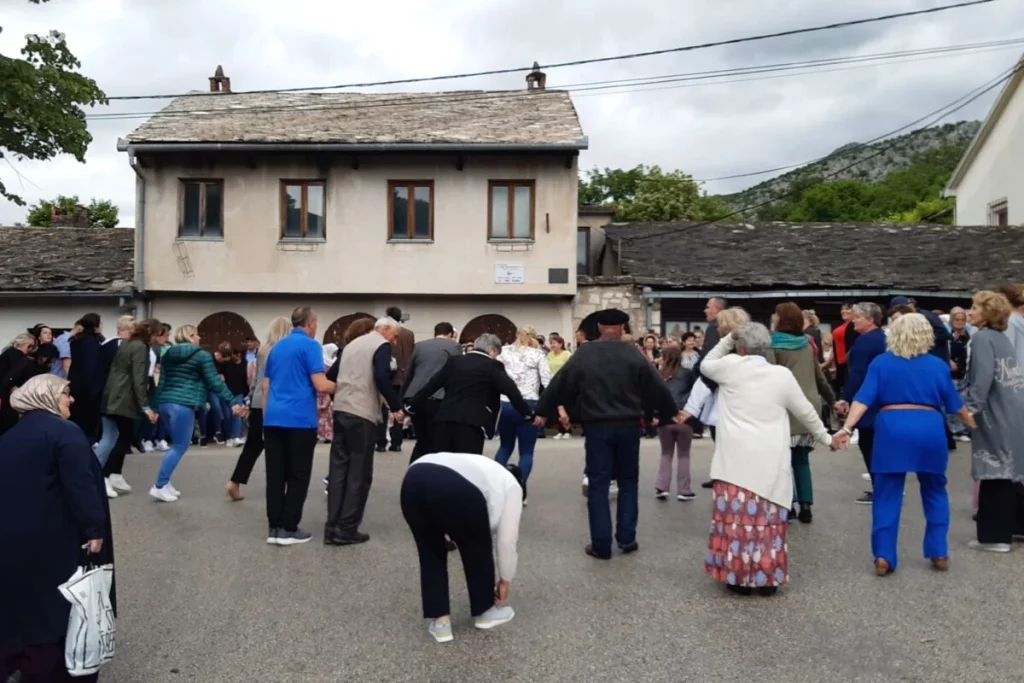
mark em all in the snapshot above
pixel 385 323
pixel 487 342
pixel 753 338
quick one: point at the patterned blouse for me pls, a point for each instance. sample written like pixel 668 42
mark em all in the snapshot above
pixel 529 369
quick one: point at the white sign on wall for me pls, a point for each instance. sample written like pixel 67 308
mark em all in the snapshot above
pixel 509 273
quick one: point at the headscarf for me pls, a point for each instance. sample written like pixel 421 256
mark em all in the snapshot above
pixel 330 353
pixel 42 392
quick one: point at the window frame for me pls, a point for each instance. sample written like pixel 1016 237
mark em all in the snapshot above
pixel 303 215
pixel 202 183
pixel 511 185
pixel 588 261
pixel 1000 207
pixel 410 214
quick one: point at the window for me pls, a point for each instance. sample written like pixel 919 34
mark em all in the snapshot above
pixel 411 209
pixel 999 213
pixel 510 212
pixel 302 209
pixel 202 208
pixel 583 251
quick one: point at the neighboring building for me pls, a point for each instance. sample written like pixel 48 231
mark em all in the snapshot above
pixel 663 273
pixel 989 181
pixel 590 236
pixel 57 275
pixel 454 206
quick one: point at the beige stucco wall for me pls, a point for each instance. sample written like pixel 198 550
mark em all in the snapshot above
pixel 545 315
pixel 627 298
pixel 997 171
pixel 357 257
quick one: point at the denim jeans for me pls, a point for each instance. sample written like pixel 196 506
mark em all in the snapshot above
pixel 613 452
pixel 107 440
pixel 232 423
pixel 511 427
pixel 218 417
pixel 180 420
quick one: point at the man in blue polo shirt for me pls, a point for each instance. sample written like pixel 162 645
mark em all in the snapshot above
pixel 294 373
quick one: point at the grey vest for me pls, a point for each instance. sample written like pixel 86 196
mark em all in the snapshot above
pixel 357 392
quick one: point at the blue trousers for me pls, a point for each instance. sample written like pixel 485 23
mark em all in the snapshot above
pixel 612 453
pixel 180 420
pixel 217 408
pixel 513 427
pixel 888 503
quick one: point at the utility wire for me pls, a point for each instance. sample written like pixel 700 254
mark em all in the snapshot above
pixel 940 114
pixel 596 60
pixel 700 78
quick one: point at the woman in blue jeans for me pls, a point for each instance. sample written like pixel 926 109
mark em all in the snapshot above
pixel 188 375
pixel 527 364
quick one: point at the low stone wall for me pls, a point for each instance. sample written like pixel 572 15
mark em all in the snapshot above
pixel 592 298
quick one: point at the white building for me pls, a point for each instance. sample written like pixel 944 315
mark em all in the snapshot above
pixel 989 181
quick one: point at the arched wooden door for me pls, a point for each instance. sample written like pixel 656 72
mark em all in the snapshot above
pixel 491 323
pixel 224 326
pixel 336 331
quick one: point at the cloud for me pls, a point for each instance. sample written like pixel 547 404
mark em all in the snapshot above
pixel 705 129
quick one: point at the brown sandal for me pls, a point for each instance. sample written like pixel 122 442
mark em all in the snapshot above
pixel 940 564
pixel 882 567
pixel 233 492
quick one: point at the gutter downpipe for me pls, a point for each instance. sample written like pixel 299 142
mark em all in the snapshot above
pixel 140 233
pixel 648 302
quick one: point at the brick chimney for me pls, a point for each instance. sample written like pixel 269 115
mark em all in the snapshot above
pixel 219 82
pixel 76 218
pixel 536 79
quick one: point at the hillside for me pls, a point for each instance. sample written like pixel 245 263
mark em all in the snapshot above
pixel 935 149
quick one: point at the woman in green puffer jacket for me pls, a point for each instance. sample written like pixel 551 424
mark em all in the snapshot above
pixel 187 375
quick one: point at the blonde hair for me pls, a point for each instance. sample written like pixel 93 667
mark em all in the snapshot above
pixel 527 336
pixel 910 336
pixel 811 317
pixel 126 323
pixel 183 335
pixel 279 328
pixel 731 319
pixel 23 338
pixel 995 309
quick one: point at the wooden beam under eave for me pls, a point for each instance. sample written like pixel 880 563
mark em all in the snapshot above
pixel 460 162
pixel 568 160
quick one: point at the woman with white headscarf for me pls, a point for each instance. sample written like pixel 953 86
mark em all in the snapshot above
pixel 325 402
pixel 53 503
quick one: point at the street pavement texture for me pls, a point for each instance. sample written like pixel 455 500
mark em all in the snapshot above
pixel 202 597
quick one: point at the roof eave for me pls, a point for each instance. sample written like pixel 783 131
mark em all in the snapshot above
pixel 343 147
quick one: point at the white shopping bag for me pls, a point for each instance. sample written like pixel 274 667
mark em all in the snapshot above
pixel 91 630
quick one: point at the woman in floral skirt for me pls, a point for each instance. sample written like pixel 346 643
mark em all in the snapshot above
pixel 325 402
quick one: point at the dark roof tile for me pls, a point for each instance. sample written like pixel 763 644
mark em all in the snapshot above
pixel 67 259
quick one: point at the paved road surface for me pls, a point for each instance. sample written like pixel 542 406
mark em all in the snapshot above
pixel 203 598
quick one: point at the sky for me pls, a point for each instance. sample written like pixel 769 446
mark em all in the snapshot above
pixel 138 47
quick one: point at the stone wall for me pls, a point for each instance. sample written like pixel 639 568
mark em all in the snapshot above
pixel 625 297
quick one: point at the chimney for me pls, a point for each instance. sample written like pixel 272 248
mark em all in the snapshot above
pixel 219 82
pixel 536 79
pixel 78 217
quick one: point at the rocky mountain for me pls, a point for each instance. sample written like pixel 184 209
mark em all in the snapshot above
pixel 900 153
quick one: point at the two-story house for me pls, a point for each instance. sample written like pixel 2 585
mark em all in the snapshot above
pixel 455 206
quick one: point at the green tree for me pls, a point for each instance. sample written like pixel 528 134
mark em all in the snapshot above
pixel 646 194
pixel 41 100
pixel 610 185
pixel 841 200
pixel 932 211
pixel 102 212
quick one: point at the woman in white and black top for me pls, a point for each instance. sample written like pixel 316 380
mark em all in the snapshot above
pixel 476 502
pixel 527 364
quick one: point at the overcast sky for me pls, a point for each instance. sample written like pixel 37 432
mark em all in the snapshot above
pixel 151 46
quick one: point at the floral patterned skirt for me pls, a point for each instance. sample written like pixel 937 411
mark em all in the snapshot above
pixel 747 546
pixel 325 416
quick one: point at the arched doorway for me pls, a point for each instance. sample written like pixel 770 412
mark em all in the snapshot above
pixel 491 323
pixel 336 331
pixel 224 326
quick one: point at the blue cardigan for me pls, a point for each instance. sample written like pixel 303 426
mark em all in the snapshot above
pixel 52 500
pixel 868 347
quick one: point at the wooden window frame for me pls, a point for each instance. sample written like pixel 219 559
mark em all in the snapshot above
pixel 511 185
pixel 410 214
pixel 1000 206
pixel 587 265
pixel 303 215
pixel 202 183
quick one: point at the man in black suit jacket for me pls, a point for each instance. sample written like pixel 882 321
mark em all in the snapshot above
pixel 473 385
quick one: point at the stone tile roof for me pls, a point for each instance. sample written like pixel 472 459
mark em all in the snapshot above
pixel 67 260
pixel 467 117
pixel 744 256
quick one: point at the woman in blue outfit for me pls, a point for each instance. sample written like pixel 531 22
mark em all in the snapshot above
pixel 910 389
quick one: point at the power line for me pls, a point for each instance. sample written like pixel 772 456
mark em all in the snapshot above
pixel 595 60
pixel 701 78
pixel 940 114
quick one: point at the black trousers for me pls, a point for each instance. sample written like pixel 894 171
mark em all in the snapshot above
pixel 423 424
pixel 251 450
pixel 85 412
pixel 123 445
pixel 436 501
pixel 457 437
pixel 351 471
pixel 289 466
pixel 867 446
pixel 382 429
pixel 1000 510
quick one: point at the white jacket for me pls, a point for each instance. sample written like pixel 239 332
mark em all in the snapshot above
pixel 752 437
pixel 703 404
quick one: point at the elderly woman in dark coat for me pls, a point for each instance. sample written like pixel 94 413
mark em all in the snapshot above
pixel 52 504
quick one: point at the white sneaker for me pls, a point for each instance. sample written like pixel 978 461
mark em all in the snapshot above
pixel 111 493
pixel 119 484
pixel 855 439
pixel 96 447
pixel 963 438
pixel 163 495
pixel 613 490
pixel 495 616
pixel 239 443
pixel 866 476
pixel 162 445
pixel 173 491
pixel 989 547
pixel 147 447
pixel 567 435
pixel 586 486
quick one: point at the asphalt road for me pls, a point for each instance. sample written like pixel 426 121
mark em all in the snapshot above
pixel 204 598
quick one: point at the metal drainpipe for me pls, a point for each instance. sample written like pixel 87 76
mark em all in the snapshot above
pixel 140 236
pixel 647 308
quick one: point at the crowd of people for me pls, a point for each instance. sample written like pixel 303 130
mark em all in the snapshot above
pixel 904 384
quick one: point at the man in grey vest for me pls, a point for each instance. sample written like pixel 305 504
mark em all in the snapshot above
pixel 364 379
pixel 428 358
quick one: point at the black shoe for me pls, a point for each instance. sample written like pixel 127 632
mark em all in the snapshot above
pixel 631 548
pixel 337 537
pixel 805 515
pixel 866 499
pixel 768 591
pixel 203 442
pixel 739 590
pixel 709 484
pixel 792 515
pixel 589 550
pixel 395 449
pixel 381 449
pixel 450 546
